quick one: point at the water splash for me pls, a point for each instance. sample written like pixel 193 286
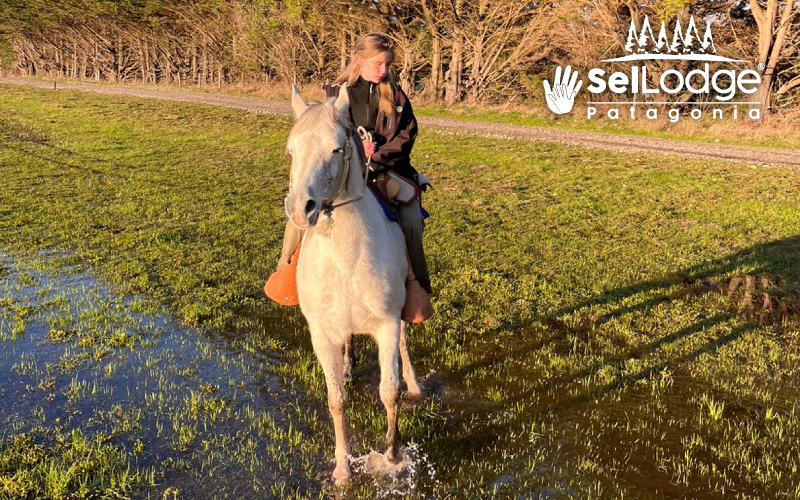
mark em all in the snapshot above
pixel 400 479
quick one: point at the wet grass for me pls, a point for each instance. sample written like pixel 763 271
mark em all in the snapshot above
pixel 607 325
pixel 45 464
pixel 152 407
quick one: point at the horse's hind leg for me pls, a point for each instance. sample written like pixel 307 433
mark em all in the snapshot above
pixel 410 377
pixel 388 339
pixel 348 360
pixel 330 357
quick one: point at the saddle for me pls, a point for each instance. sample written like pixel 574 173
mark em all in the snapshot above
pixel 392 190
pixel 396 189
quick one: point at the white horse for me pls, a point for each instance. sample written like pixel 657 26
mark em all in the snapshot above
pixel 351 274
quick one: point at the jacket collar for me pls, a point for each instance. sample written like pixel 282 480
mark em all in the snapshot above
pixel 364 84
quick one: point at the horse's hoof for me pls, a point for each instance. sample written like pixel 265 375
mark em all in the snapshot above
pixel 392 456
pixel 417 396
pixel 414 398
pixel 341 474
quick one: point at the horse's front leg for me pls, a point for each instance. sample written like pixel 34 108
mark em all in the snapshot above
pixel 330 357
pixel 388 339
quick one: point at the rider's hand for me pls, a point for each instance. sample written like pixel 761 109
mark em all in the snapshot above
pixel 369 147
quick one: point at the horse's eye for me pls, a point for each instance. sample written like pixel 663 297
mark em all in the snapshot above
pixel 338 150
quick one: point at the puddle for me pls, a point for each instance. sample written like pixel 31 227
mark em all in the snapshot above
pixel 79 355
pixel 210 414
pixel 400 479
pixel 205 414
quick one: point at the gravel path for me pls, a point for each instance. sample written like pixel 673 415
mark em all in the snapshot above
pixel 614 142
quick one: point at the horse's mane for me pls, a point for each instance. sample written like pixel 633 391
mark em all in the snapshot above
pixel 321 117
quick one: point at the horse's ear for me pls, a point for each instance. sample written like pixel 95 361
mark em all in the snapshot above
pixel 342 104
pixel 298 104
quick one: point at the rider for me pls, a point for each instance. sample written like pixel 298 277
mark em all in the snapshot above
pixel 383 109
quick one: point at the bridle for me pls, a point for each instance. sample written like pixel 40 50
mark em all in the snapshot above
pixel 347 149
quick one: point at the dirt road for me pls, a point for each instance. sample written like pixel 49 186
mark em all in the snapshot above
pixel 614 142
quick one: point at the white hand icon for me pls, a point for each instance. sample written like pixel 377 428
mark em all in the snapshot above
pixel 560 98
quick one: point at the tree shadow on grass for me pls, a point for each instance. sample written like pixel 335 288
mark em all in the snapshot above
pixel 761 283
pixel 771 268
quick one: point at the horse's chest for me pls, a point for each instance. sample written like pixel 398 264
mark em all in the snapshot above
pixel 348 296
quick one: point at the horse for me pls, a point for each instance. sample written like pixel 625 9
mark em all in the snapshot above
pixel 352 268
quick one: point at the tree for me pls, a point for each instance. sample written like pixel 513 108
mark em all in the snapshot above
pixel 775 21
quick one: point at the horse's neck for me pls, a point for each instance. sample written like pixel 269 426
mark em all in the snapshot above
pixel 356 173
pixel 361 219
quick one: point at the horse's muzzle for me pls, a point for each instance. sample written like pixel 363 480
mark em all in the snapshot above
pixel 302 211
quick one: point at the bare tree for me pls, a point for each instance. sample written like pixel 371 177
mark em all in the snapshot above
pixel 433 11
pixel 504 38
pixel 477 50
pixel 775 21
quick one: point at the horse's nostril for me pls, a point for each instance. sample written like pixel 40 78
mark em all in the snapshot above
pixel 310 206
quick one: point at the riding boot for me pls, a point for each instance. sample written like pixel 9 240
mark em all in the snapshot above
pixel 418 305
pixel 413 226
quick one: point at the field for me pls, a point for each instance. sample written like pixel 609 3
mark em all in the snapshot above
pixel 607 325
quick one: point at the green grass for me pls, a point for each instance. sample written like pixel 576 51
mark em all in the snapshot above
pixel 54 465
pixel 183 410
pixel 589 339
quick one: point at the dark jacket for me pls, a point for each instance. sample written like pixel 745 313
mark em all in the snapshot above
pixel 394 135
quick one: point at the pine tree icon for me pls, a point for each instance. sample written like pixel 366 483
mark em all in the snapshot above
pixel 708 41
pixel 645 36
pixel 631 37
pixel 644 40
pixel 686 38
pixel 662 42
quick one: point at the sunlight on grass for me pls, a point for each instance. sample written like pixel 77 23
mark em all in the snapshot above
pixel 607 325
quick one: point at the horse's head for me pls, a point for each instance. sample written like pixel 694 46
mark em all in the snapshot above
pixel 318 145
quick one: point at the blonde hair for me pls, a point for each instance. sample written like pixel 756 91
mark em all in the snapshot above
pixel 368 46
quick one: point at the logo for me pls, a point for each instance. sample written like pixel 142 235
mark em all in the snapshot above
pixel 682 46
pixel 685 44
pixel 561 97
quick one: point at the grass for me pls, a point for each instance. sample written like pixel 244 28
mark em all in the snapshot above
pixel 53 465
pixel 607 325
pixel 176 405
